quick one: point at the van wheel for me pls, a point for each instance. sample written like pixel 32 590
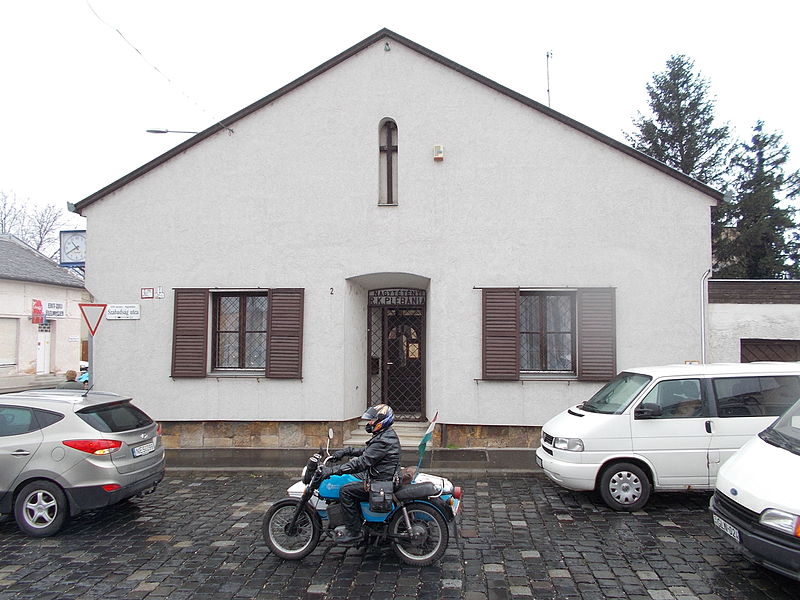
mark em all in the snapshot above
pixel 624 486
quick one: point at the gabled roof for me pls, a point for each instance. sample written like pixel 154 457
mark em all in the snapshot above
pixel 20 262
pixel 226 123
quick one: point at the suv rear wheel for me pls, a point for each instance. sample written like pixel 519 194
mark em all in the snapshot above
pixel 41 508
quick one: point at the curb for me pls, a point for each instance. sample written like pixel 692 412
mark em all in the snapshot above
pixel 290 461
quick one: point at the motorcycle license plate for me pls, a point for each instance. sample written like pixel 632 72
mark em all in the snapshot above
pixel 727 528
pixel 144 449
pixel 456 506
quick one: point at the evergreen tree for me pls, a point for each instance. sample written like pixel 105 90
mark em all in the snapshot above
pixel 762 241
pixel 680 131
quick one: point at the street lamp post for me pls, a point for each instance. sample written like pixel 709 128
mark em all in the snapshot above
pixel 169 131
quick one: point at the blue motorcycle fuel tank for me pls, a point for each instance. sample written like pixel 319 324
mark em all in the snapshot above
pixel 331 486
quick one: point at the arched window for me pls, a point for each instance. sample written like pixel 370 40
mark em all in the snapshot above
pixel 387 144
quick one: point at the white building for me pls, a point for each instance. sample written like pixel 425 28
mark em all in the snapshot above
pixel 36 353
pixel 391 227
pixel 753 320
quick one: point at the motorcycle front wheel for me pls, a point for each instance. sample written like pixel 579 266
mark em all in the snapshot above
pixel 427 539
pixel 287 542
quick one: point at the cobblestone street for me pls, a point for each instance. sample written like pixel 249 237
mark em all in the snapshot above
pixel 199 536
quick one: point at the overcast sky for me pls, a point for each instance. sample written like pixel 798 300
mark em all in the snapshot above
pixel 77 98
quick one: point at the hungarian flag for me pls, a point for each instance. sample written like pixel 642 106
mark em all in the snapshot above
pixel 428 435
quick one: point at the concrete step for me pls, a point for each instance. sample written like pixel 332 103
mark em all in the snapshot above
pixel 20 383
pixel 409 433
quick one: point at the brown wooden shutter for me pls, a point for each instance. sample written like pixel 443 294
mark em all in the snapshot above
pixel 190 333
pixel 597 347
pixel 501 333
pixel 285 338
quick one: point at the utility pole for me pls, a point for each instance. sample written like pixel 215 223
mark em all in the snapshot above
pixel 548 56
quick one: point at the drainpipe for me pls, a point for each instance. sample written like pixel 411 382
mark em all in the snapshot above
pixel 703 305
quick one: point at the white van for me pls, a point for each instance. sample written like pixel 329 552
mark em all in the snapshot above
pixel 663 428
pixel 757 500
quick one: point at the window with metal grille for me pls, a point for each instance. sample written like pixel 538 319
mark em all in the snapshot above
pixel 547 332
pixel 240 331
pixel 530 333
pixel 252 332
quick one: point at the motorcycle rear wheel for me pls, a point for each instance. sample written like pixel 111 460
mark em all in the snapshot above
pixel 430 535
pixel 296 545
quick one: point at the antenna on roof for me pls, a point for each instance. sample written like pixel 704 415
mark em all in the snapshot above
pixel 548 56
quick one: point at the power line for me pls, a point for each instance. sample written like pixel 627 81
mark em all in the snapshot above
pixel 154 67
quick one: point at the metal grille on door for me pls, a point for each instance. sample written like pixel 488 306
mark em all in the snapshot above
pixel 396 351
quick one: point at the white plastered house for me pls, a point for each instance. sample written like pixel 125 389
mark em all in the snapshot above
pixel 753 320
pixel 35 351
pixel 391 227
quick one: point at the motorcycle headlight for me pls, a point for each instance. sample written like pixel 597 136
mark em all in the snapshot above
pixel 781 520
pixel 571 444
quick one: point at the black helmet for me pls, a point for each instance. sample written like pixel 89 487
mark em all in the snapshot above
pixel 379 417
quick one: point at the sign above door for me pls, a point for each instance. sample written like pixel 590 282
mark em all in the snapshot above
pixel 397 297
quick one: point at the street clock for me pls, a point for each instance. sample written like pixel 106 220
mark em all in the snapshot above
pixel 73 248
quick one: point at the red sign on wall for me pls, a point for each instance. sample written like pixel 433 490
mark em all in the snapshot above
pixel 37 314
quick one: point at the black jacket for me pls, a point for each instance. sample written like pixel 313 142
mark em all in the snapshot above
pixel 379 458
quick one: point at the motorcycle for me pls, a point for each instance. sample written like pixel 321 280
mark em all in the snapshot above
pixel 414 517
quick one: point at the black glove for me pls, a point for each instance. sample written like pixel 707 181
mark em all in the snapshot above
pixel 325 471
pixel 338 455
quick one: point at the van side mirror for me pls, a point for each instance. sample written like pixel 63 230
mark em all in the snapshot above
pixel 647 410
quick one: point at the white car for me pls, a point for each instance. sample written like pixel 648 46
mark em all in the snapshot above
pixel 757 500
pixel 666 428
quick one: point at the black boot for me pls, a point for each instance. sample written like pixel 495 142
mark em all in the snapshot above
pixel 343 535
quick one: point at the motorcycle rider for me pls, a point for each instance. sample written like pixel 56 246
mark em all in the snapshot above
pixel 379 460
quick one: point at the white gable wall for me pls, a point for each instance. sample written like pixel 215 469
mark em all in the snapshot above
pixel 290 200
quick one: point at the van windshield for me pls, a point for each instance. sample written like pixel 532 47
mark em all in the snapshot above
pixel 617 394
pixel 785 432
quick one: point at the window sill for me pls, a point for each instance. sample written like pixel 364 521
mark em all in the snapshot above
pixel 237 374
pixel 549 376
pixel 528 378
pixel 387 204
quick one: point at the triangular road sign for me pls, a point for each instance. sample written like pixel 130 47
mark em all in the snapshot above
pixel 92 314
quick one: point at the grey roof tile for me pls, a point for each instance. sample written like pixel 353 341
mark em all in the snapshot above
pixel 20 262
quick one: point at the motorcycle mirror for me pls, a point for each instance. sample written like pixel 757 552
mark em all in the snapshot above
pixel 330 433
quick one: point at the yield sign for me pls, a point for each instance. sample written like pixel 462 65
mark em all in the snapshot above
pixel 92 314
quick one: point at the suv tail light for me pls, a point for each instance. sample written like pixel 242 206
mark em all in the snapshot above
pixel 158 428
pixel 94 446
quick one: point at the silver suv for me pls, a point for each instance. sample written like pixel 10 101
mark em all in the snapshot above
pixel 66 451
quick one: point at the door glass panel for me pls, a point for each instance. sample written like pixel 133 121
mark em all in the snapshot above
pixel 678 399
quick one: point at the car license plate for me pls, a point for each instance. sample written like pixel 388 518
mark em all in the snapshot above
pixel 538 461
pixel 727 528
pixel 144 449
